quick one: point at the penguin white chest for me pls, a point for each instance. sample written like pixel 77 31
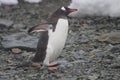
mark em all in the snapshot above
pixel 58 37
pixel 56 40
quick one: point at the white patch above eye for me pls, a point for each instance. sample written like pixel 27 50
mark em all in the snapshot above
pixel 63 8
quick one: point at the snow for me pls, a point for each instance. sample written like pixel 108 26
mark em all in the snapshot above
pixel 96 7
pixel 8 2
pixel 33 1
pixel 13 2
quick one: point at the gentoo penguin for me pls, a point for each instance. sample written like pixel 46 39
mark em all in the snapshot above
pixel 53 37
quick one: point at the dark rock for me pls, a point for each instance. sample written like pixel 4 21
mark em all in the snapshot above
pixel 115 50
pixel 3 28
pixel 19 40
pixel 115 66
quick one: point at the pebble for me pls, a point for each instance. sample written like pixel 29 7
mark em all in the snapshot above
pixel 93 77
pixel 68 78
pixel 36 65
pixel 84 39
pixel 16 50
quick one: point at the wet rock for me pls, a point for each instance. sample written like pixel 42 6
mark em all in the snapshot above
pixel 113 37
pixel 6 23
pixel 19 40
pixel 18 27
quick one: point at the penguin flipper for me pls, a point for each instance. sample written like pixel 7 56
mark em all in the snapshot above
pixel 39 28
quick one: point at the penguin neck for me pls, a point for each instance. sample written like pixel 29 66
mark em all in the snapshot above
pixel 54 19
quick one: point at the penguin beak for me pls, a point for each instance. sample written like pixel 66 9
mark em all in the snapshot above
pixel 72 10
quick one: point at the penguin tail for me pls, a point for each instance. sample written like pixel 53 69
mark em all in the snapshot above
pixel 31 30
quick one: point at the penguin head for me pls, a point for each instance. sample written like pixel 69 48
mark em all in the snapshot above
pixel 67 10
pixel 64 11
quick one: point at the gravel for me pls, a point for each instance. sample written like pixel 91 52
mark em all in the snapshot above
pixel 83 58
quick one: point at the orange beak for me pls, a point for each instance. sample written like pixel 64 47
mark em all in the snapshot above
pixel 72 10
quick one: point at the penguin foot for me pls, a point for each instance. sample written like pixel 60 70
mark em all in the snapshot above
pixel 52 66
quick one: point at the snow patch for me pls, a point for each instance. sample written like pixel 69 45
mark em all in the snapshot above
pixel 13 2
pixel 33 1
pixel 96 7
pixel 9 2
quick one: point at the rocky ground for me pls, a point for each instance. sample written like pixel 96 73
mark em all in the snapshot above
pixel 92 50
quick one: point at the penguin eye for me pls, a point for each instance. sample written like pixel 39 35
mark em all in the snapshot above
pixel 63 9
